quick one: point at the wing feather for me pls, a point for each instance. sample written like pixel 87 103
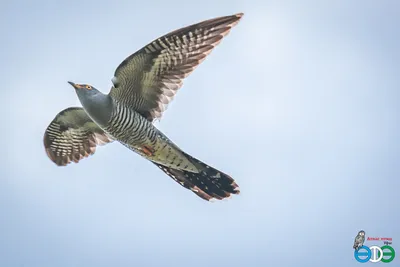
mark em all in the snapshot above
pixel 72 136
pixel 149 79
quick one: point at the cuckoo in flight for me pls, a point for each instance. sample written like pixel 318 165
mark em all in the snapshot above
pixel 143 85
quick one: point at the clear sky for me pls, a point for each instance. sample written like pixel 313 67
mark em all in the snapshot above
pixel 299 103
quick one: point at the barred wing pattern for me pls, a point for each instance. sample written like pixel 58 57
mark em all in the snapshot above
pixel 71 136
pixel 149 79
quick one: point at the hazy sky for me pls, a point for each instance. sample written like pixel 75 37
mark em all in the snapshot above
pixel 299 103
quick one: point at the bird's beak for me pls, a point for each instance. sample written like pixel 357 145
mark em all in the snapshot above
pixel 76 86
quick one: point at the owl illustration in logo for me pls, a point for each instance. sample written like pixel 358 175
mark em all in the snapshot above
pixel 359 240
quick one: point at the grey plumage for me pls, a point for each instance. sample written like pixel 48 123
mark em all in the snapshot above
pixel 359 240
pixel 143 85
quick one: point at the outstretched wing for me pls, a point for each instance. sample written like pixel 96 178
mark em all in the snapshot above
pixel 71 136
pixel 149 79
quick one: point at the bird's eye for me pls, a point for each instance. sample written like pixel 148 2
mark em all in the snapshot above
pixel 88 87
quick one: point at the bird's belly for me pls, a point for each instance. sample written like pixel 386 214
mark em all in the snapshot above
pixel 164 154
pixel 155 148
pixel 143 138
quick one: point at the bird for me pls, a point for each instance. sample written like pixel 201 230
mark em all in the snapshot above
pixel 359 240
pixel 142 87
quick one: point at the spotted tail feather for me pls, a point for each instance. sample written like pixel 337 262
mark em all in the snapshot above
pixel 208 184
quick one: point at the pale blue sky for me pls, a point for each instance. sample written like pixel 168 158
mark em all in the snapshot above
pixel 300 104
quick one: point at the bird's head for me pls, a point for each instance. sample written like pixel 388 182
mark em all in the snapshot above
pixel 85 92
pixel 361 233
pixel 96 104
pixel 84 89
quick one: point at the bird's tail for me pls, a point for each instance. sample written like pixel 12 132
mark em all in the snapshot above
pixel 209 183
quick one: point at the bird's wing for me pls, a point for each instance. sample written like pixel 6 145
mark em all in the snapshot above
pixel 71 136
pixel 149 79
pixel 357 240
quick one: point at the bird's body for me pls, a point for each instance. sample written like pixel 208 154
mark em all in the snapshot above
pixel 138 134
pixel 143 85
pixel 359 240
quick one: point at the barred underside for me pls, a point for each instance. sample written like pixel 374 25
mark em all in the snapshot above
pixel 129 127
pixel 149 79
pixel 135 132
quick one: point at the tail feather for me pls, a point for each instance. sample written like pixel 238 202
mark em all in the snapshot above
pixel 209 183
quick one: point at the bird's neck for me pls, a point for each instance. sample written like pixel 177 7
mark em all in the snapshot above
pixel 98 107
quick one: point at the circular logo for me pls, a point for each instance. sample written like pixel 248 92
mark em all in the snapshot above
pixel 377 254
pixel 374 254
pixel 366 254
